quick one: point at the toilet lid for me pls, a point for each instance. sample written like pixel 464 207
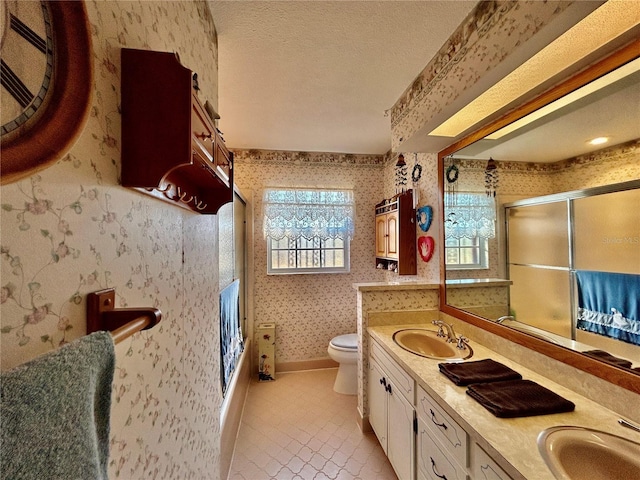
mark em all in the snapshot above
pixel 349 340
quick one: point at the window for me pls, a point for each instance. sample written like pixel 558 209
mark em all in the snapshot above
pixel 467 253
pixel 308 231
pixel 469 224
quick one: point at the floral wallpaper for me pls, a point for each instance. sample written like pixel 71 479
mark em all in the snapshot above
pixel 72 229
pixel 422 178
pixel 309 310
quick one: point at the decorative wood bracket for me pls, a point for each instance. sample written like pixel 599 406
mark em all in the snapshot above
pixel 121 322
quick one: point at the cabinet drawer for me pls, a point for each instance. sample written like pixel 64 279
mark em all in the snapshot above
pixel 451 435
pixel 483 467
pixel 202 131
pixel 400 378
pixel 433 462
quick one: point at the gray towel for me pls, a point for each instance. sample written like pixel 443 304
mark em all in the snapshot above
pixel 55 413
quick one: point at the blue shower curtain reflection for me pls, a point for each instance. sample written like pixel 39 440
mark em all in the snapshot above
pixel 231 341
pixel 608 304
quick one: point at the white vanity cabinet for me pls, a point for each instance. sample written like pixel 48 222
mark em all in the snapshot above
pixel 419 436
pixel 391 412
pixel 442 445
pixel 483 467
pixel 444 449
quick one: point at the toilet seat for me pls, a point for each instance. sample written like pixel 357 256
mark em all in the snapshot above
pixel 345 343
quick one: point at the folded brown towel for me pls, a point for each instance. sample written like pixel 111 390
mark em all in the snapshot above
pixel 607 357
pixel 519 398
pixel 479 371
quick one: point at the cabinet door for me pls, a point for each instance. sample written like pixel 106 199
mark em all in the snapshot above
pixel 483 467
pixel 401 437
pixel 381 235
pixel 392 234
pixel 378 403
pixel 434 463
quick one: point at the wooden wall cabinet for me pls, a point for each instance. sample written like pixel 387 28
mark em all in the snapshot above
pixel 171 148
pixel 396 234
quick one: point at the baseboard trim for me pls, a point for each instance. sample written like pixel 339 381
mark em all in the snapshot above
pixel 305 365
pixel 363 423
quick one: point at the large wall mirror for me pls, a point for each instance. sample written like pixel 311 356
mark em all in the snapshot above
pixel 542 228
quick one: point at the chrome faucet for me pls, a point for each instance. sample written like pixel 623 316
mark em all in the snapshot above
pixel 451 334
pixel 463 342
pixel 506 317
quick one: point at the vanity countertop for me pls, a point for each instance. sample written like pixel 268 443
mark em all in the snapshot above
pixel 402 285
pixel 478 282
pixel 510 441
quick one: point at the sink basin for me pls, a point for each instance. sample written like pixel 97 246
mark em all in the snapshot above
pixel 426 343
pixel 580 453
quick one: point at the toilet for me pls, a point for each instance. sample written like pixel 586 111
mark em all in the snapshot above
pixel 344 350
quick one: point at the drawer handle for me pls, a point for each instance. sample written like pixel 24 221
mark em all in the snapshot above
pixel 383 381
pixel 433 419
pixel 433 467
pixel 388 389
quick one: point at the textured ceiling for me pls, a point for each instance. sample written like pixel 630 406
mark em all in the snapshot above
pixel 320 75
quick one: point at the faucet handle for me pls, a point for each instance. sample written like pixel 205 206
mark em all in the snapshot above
pixel 463 342
pixel 440 325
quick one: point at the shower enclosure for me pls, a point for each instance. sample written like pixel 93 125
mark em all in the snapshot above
pixel 552 237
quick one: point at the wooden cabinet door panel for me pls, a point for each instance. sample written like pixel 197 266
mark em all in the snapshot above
pixel 392 235
pixel 381 236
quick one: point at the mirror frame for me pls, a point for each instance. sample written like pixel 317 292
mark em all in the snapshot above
pixel 618 376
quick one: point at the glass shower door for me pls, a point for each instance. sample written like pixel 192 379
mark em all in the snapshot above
pixel 539 266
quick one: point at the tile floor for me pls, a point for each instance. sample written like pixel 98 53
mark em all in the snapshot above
pixel 298 428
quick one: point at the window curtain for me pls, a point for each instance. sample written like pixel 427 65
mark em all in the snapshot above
pixel 469 215
pixel 308 214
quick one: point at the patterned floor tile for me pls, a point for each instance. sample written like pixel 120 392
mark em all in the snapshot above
pixel 298 428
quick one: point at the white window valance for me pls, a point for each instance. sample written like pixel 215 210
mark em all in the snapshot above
pixel 306 213
pixel 469 215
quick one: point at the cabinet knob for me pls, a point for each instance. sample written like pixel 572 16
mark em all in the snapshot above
pixel 383 381
pixel 388 389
